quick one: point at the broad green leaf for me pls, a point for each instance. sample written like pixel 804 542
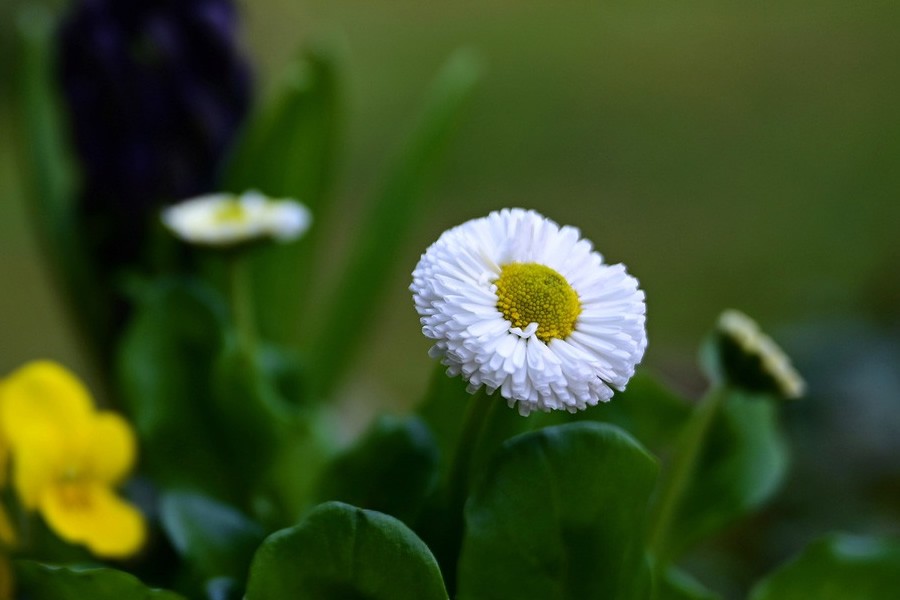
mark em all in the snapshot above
pixel 46 582
pixel 838 567
pixel 214 538
pixel 391 469
pixel 164 367
pixel 559 514
pixel 343 552
pixel 678 585
pixel 388 221
pixel 289 150
pixel 741 466
pixel 646 409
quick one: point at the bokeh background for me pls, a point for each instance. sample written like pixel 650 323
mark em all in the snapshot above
pixel 732 154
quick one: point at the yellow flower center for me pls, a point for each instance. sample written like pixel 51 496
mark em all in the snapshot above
pixel 75 495
pixel 231 211
pixel 532 293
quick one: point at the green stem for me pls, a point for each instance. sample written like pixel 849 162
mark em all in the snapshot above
pixel 674 485
pixel 479 412
pixel 241 293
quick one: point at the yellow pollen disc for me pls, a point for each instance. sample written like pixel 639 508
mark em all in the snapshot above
pixel 532 293
pixel 231 211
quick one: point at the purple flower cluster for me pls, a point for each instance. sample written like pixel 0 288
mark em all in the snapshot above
pixel 156 90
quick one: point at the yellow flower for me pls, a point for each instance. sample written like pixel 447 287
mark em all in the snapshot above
pixel 67 458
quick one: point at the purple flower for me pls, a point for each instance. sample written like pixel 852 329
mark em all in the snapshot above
pixel 156 90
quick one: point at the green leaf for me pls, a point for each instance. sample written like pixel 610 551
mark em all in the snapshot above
pixel 215 538
pixel 46 582
pixel 444 410
pixel 343 552
pixel 288 147
pixel 164 367
pixel 50 177
pixel 646 409
pixel 559 514
pixel 742 464
pixel 387 223
pixel 391 469
pixel 838 567
pixel 289 150
pixel 473 436
pixel 249 416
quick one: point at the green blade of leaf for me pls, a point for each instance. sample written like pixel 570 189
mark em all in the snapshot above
pixel 342 552
pixel 46 582
pixel 214 537
pixel 559 514
pixel 742 464
pixel 678 585
pixel 289 150
pixel 838 567
pixel 50 178
pixel 387 223
pixel 391 469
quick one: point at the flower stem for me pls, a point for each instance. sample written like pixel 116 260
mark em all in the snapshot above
pixel 241 293
pixel 675 483
pixel 479 412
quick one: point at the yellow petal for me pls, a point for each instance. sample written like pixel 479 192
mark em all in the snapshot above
pixel 36 466
pixel 111 448
pixel 93 515
pixel 42 401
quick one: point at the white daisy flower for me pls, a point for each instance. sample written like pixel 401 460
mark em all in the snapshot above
pixel 752 360
pixel 228 219
pixel 517 303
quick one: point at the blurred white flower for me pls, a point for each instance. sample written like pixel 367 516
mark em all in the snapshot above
pixel 750 359
pixel 517 303
pixel 228 219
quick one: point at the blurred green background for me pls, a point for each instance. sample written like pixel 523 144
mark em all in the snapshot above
pixel 730 153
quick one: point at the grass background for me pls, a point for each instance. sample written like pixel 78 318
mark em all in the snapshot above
pixel 732 154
